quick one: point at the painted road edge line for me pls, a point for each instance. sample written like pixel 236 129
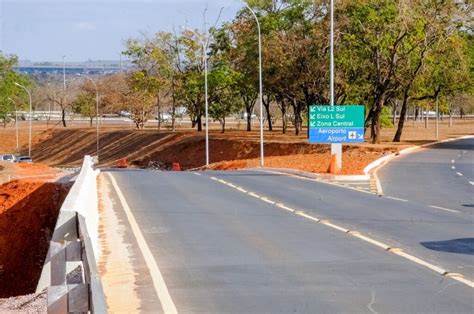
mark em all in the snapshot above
pixel 156 276
pixel 446 209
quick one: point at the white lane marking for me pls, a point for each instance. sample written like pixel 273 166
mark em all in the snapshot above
pixel 327 223
pixel 231 185
pixel 222 181
pixel 460 278
pixel 370 240
pixel 214 178
pixel 419 261
pixel 396 251
pixel 459 174
pixel 397 199
pixel 254 195
pixel 241 190
pixel 452 167
pixel 158 280
pixel 446 209
pixel 267 200
pixel 303 214
pixel 283 206
pixel 452 161
pixel 471 182
pixel 197 174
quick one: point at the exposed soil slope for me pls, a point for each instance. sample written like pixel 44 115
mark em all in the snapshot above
pixel 28 213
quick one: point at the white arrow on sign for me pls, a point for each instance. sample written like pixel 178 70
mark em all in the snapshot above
pixel 313 116
pixel 313 124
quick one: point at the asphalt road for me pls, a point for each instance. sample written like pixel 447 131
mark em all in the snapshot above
pixel 220 250
pixel 442 176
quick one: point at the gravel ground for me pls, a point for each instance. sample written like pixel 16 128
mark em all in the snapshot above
pixel 31 303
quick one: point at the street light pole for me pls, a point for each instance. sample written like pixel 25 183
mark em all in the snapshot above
pixel 204 44
pixel 262 160
pixel 336 149
pixel 16 125
pixel 96 112
pixel 31 118
pixel 64 74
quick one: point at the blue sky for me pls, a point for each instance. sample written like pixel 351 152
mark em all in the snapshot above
pixel 45 30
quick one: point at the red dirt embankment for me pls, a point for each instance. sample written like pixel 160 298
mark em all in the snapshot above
pixel 232 154
pixel 28 214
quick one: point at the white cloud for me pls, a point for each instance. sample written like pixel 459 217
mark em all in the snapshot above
pixel 85 26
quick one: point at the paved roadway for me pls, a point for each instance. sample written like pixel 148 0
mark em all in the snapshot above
pixel 441 176
pixel 220 250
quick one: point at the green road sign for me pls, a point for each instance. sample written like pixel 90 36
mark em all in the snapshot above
pixel 336 124
pixel 336 116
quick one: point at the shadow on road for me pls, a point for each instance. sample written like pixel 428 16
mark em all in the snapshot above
pixel 460 246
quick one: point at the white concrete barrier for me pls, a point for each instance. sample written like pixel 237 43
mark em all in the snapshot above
pixel 82 200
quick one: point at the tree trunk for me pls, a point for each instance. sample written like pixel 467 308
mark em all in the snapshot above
pixel 401 121
pixel 158 106
pixel 63 117
pixel 173 109
pixel 91 119
pixel 266 104
pixel 376 119
pixel 223 125
pixel 199 123
pixel 297 112
pixel 369 118
pixel 248 111
pixel 284 118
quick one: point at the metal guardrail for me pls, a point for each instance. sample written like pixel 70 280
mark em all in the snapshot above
pixel 86 295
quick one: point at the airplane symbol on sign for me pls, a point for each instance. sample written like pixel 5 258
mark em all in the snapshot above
pixel 352 135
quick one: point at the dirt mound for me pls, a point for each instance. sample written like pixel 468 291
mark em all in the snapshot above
pixel 232 154
pixel 354 162
pixel 28 213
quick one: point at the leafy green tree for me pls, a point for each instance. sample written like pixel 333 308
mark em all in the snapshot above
pixel 222 81
pixel 85 104
pixel 8 90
